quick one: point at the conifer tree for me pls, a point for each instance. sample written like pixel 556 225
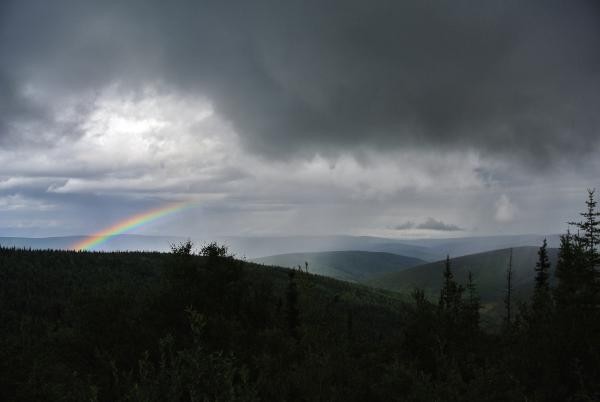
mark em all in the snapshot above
pixel 590 228
pixel 542 268
pixel 292 312
pixel 587 258
pixel 450 289
pixel 474 303
pixel 451 294
pixel 570 273
pixel 541 295
pixel 578 305
pixel 508 296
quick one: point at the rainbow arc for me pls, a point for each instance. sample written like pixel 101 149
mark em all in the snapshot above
pixel 129 223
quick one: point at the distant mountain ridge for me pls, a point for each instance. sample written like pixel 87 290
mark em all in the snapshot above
pixel 126 242
pixel 260 246
pixel 255 247
pixel 354 266
pixel 425 249
pixel 455 247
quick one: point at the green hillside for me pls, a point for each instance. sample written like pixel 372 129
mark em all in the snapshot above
pixel 352 266
pixel 488 269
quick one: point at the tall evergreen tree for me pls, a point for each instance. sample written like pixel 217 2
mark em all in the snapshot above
pixel 578 305
pixel 541 295
pixel 474 303
pixel 588 240
pixel 443 302
pixel 571 273
pixel 448 275
pixel 542 268
pixel 589 228
pixel 451 292
pixel 451 303
pixel 508 295
pixel 292 312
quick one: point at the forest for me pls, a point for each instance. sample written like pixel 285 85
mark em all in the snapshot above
pixel 205 326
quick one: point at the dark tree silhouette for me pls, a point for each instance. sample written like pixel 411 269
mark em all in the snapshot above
pixel 508 295
pixel 572 275
pixel 451 292
pixel 292 312
pixel 183 248
pixel 588 239
pixel 542 298
pixel 474 304
pixel 214 250
pixel 589 228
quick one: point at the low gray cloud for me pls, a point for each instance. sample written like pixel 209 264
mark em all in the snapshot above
pixel 405 226
pixel 434 224
pixel 429 224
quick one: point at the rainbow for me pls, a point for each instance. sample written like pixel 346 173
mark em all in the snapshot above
pixel 128 224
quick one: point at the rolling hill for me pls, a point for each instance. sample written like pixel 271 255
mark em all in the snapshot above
pixel 355 266
pixel 489 271
pixel 258 246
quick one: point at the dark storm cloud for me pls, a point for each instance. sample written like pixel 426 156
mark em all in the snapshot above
pixel 15 110
pixel 507 78
pixel 429 224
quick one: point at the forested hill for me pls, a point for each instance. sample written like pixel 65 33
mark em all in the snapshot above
pixel 81 326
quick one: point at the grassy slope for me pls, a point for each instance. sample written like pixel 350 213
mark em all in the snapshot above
pixel 353 266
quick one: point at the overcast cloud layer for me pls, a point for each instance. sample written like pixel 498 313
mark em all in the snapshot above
pixel 453 117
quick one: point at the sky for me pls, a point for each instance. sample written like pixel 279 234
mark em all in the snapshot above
pixel 413 118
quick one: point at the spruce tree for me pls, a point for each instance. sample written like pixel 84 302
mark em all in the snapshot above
pixel 588 258
pixel 578 302
pixel 451 315
pixel 538 345
pixel 571 273
pixel 508 296
pixel 474 303
pixel 542 268
pixel 451 292
pixel 292 312
pixel 541 295
pixel 589 229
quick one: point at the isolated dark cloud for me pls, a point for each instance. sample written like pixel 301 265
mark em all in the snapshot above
pixel 405 226
pixel 434 224
pixel 429 224
pixel 511 79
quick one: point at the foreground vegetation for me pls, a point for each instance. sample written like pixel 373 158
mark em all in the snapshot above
pixel 182 327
